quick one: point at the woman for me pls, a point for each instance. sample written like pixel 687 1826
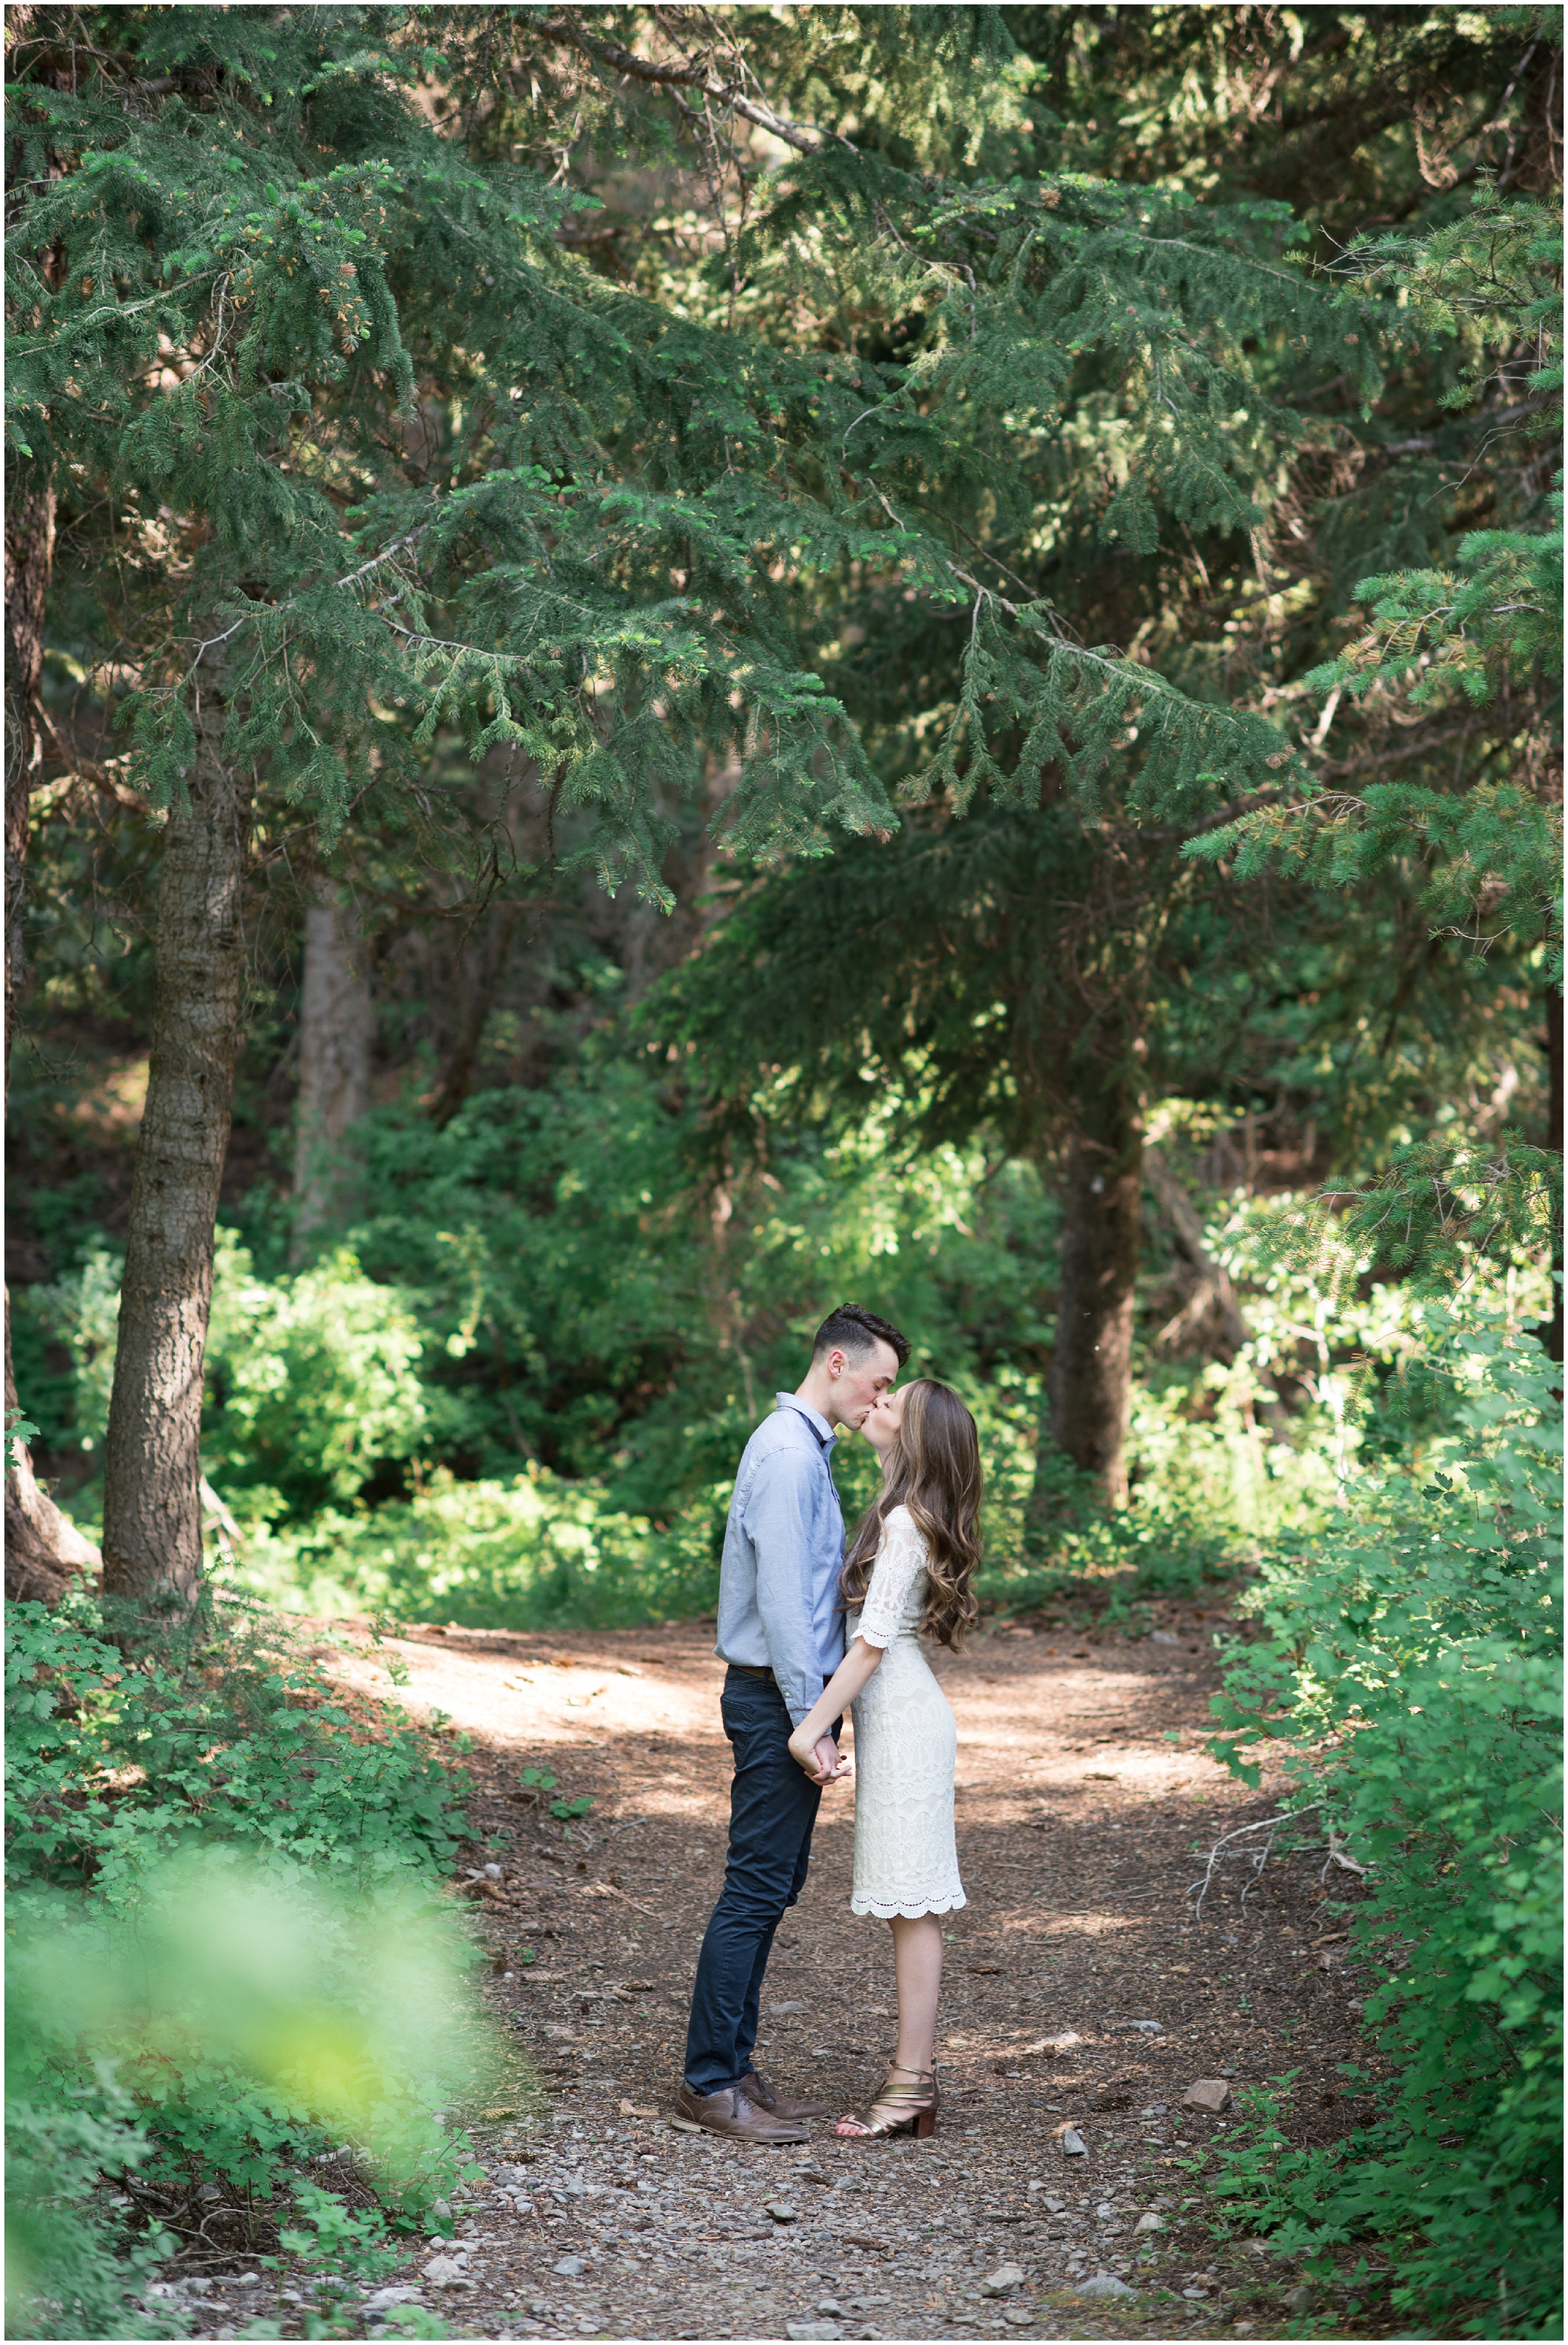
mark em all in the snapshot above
pixel 907 1575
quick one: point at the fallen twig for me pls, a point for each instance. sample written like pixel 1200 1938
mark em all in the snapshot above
pixel 1337 1856
pixel 1257 1858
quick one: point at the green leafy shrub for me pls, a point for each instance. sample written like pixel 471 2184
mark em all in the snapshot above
pixel 76 1315
pixel 527 1551
pixel 224 1965
pixel 313 1378
pixel 110 1766
pixel 597 1304
pixel 1412 1662
pixel 67 2272
pixel 313 1381
pixel 563 1352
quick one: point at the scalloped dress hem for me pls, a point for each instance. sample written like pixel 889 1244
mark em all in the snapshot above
pixel 881 1912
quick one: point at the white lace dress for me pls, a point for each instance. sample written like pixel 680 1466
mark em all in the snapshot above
pixel 905 1745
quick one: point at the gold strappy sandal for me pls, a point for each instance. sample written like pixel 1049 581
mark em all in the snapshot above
pixel 897 2108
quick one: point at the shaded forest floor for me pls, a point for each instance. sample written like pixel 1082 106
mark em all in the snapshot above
pixel 1082 1800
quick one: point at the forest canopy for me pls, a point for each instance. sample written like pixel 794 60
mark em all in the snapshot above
pixel 666 665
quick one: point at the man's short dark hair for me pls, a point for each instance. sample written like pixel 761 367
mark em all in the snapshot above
pixel 850 1329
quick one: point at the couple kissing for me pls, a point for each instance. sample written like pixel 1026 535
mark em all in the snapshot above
pixel 807 1630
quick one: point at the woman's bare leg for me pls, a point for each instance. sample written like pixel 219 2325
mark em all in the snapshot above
pixel 917 1968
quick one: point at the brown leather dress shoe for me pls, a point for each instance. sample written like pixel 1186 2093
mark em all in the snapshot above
pixel 757 2088
pixel 732 2112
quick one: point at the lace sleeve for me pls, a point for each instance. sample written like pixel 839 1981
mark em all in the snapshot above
pixel 900 1557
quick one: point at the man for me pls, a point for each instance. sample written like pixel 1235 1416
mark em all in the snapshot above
pixel 782 1632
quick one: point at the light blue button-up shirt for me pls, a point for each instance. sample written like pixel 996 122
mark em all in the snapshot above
pixel 783 1551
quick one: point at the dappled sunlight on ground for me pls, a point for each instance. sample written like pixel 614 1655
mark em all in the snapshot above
pixel 1084 1806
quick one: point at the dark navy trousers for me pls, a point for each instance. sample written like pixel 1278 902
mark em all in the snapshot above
pixel 772 1807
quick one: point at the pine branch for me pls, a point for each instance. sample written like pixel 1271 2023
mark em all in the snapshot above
pixel 1215 821
pixel 700 78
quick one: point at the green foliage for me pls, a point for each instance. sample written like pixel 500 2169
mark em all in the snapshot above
pixel 312 1379
pixel 1492 278
pixel 569 1276
pixel 1020 443
pixel 221 1947
pixel 78 1312
pixel 1446 640
pixel 67 2273
pixel 603 1300
pixel 313 1382
pixel 112 1764
pixel 530 1551
pixel 1412 1662
pixel 260 265
pixel 995 997
pixel 1431 1217
pixel 19 1431
pixel 1218 1471
pixel 538 1781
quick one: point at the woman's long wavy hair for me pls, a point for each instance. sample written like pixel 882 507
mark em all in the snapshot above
pixel 934 1469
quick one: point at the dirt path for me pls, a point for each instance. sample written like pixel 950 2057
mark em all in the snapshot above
pixel 1082 1796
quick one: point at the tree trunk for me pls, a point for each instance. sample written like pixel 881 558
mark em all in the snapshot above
pixel 152 1493
pixel 1551 1330
pixel 1210 1320
pixel 336 1023
pixel 1090 1384
pixel 29 557
pixel 43 1549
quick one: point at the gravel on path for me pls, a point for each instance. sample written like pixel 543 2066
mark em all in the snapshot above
pixel 1079 1993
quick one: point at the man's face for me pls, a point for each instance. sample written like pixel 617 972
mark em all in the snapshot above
pixel 856 1382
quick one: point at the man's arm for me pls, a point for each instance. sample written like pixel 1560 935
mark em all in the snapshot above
pixel 781 1513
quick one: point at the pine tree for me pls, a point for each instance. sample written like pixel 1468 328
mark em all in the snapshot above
pixel 1102 523
pixel 1454 677
pixel 345 432
pixel 880 483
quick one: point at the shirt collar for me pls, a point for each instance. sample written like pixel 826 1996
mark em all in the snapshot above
pixel 826 1433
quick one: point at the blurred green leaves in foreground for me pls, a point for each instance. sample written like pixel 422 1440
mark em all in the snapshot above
pixel 236 2016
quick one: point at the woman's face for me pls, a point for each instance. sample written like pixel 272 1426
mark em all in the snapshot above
pixel 881 1423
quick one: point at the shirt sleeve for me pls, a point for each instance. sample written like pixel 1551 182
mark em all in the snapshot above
pixel 781 1521
pixel 900 1559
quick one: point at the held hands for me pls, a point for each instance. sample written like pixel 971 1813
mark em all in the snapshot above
pixel 811 1745
pixel 819 1755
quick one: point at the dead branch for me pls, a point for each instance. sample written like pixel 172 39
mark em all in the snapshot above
pixel 1213 1296
pixel 1258 1860
pixel 702 77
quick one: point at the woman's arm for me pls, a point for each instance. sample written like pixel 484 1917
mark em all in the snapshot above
pixel 857 1666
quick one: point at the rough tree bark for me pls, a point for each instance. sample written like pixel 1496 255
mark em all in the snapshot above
pixel 29 558
pixel 335 1024
pixel 1089 1400
pixel 43 1549
pixel 1551 1330
pixel 152 1491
